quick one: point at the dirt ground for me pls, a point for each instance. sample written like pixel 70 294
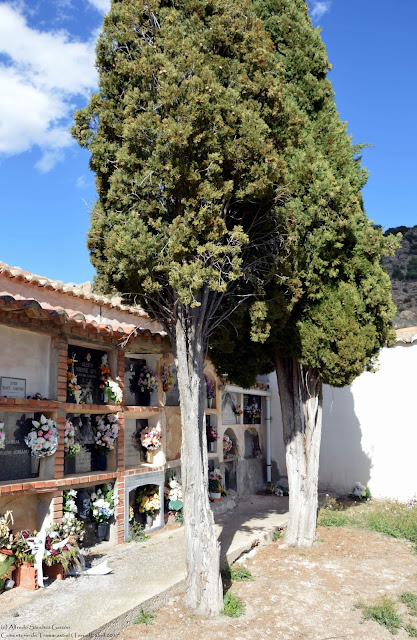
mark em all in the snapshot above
pixel 304 594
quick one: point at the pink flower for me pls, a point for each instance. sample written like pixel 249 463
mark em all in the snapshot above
pixel 50 432
pixel 40 433
pixel 46 435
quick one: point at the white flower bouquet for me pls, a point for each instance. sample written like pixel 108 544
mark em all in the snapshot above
pixel 106 432
pixel 71 448
pixel 151 438
pixel 43 438
pixel 103 503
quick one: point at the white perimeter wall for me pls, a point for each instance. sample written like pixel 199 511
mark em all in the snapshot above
pixel 25 354
pixel 369 429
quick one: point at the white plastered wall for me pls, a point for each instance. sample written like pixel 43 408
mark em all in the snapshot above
pixel 369 429
pixel 25 354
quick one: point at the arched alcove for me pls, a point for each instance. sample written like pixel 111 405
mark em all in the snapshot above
pixel 234 450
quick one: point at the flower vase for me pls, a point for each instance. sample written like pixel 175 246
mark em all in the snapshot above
pixel 209 402
pixel 215 495
pixel 149 456
pixel 251 420
pixel 212 446
pixel 144 398
pixel 103 531
pixel 149 521
pixel 98 460
pixel 69 465
pixel 237 419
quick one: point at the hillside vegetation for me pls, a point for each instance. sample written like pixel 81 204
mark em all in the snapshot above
pixel 402 269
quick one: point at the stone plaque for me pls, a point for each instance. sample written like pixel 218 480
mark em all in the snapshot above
pixel 87 364
pixel 13 387
pixel 134 453
pixel 133 367
pixel 173 395
pixel 83 460
pixel 16 461
pixel 250 401
pixel 229 403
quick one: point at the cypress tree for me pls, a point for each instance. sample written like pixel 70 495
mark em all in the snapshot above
pixel 329 305
pixel 184 140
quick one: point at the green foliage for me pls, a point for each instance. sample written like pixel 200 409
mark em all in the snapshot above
pixel 329 300
pixel 397 273
pixel 391 518
pixel 179 517
pixel 277 535
pixel 412 269
pixel 409 599
pixel 233 607
pixel 145 618
pixel 136 533
pixel 184 141
pixel 237 573
pixel 383 613
pixel 411 630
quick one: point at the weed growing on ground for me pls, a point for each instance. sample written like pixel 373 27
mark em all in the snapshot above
pixel 410 600
pixel 237 573
pixel 411 630
pixel 136 533
pixel 383 613
pixel 144 618
pixel 277 535
pixel 179 517
pixel 232 606
pixel 390 518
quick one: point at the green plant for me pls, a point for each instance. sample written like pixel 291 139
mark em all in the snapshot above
pixel 237 573
pixel 277 535
pixel 136 533
pixel 144 618
pixel 179 517
pixel 411 630
pixel 329 518
pixel 232 606
pixel 410 600
pixel 383 613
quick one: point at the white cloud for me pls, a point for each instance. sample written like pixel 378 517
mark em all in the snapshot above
pixel 319 8
pixel 81 182
pixel 101 5
pixel 43 73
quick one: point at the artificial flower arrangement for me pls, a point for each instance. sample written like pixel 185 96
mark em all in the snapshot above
pixel 254 411
pixel 21 548
pixel 70 525
pixel 60 550
pixel 174 494
pixel 167 379
pixel 106 431
pixel 151 438
pixel 209 388
pixel 212 434
pixel 215 481
pixel 131 513
pixel 43 438
pixel 149 501
pixel 238 411
pixel 71 448
pixel 227 444
pixel 2 435
pixel 6 536
pixel 148 380
pixel 73 387
pixel 103 503
pixel 360 491
pixel 111 388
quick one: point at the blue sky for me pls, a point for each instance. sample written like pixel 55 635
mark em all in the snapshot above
pixel 47 71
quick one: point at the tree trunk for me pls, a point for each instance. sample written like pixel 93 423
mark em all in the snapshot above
pixel 204 593
pixel 301 400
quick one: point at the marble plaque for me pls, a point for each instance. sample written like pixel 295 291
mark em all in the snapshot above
pixel 87 364
pixel 16 461
pixel 230 401
pixel 83 460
